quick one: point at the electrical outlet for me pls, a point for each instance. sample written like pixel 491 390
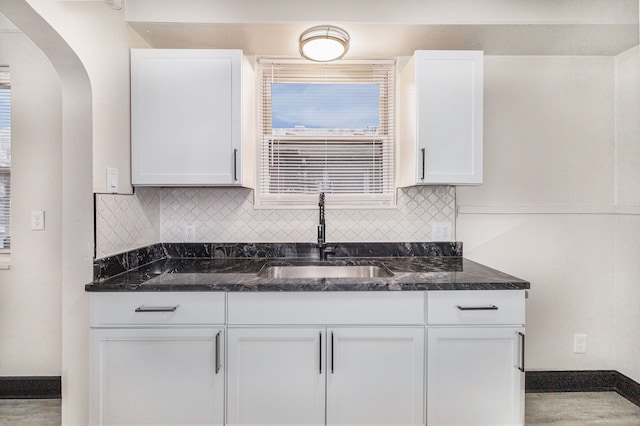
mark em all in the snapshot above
pixel 441 231
pixel 189 233
pixel 580 344
pixel 37 220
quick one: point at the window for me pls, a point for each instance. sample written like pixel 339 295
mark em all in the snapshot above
pixel 5 160
pixel 325 128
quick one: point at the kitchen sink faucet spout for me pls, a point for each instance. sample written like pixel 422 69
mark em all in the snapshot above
pixel 322 232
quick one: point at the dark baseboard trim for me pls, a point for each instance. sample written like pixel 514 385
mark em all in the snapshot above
pixel 50 387
pixel 31 387
pixel 583 381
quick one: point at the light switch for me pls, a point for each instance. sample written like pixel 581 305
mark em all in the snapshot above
pixel 37 220
pixel 112 180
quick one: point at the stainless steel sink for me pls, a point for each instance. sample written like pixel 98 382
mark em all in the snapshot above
pixel 324 271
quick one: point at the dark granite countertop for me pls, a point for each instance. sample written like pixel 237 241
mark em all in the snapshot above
pixel 414 272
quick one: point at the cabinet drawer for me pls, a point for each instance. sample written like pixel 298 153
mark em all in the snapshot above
pixel 334 307
pixel 475 307
pixel 167 308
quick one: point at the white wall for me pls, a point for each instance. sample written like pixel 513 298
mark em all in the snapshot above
pixel 627 265
pixel 560 205
pixel 76 200
pixel 544 212
pixel 101 39
pixel 30 292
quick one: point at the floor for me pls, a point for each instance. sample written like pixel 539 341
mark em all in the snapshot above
pixel 30 412
pixel 580 408
pixel 590 408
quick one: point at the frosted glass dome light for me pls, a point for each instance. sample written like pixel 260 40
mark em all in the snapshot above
pixel 324 43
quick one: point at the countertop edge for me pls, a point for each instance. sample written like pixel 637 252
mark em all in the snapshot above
pixel 193 275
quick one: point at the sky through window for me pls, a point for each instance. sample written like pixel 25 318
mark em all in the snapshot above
pixel 324 106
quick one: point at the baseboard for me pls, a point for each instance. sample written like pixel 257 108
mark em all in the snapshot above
pixel 30 387
pixel 583 381
pixel 49 387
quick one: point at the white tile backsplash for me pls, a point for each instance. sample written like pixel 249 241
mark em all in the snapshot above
pixel 152 215
pixel 126 222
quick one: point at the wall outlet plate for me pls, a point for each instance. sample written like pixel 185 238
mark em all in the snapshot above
pixel 442 231
pixel 580 344
pixel 189 233
pixel 37 220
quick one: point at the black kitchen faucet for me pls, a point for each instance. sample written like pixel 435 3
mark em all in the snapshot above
pixel 322 232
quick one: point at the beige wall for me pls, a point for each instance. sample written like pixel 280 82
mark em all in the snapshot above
pixel 73 255
pixel 549 132
pixel 560 205
pixel 30 292
pixel 545 210
pixel 627 264
pixel 99 36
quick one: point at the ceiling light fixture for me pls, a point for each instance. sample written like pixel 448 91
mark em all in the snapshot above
pixel 324 43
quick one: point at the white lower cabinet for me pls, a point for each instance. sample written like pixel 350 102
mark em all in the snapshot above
pixel 370 376
pixel 308 358
pixel 157 358
pixel 276 376
pixel 475 358
pixel 375 376
pixel 158 376
pixel 474 376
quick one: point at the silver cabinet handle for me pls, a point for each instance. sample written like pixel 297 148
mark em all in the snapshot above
pixel 332 345
pixel 521 339
pixel 320 353
pixel 235 165
pixel 218 353
pixel 157 308
pixel 424 159
pixel 477 308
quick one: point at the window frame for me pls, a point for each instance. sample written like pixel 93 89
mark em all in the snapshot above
pixel 383 143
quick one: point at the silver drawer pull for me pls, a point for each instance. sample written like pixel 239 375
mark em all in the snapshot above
pixel 477 308
pixel 157 308
pixel 218 366
pixel 522 342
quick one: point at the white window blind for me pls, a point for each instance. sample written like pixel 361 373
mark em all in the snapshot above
pixel 5 160
pixel 326 128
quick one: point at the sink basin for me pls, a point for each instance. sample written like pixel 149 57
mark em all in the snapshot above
pixel 324 271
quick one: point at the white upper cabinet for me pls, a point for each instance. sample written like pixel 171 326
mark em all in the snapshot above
pixel 186 117
pixel 441 112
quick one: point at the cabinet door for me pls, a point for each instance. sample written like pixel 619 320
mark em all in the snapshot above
pixel 375 376
pixel 449 92
pixel 157 376
pixel 276 376
pixel 185 116
pixel 474 376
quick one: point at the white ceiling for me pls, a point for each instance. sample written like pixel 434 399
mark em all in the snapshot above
pixel 383 29
pixel 388 40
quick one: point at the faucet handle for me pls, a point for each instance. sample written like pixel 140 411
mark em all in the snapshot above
pixel 326 249
pixel 330 248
